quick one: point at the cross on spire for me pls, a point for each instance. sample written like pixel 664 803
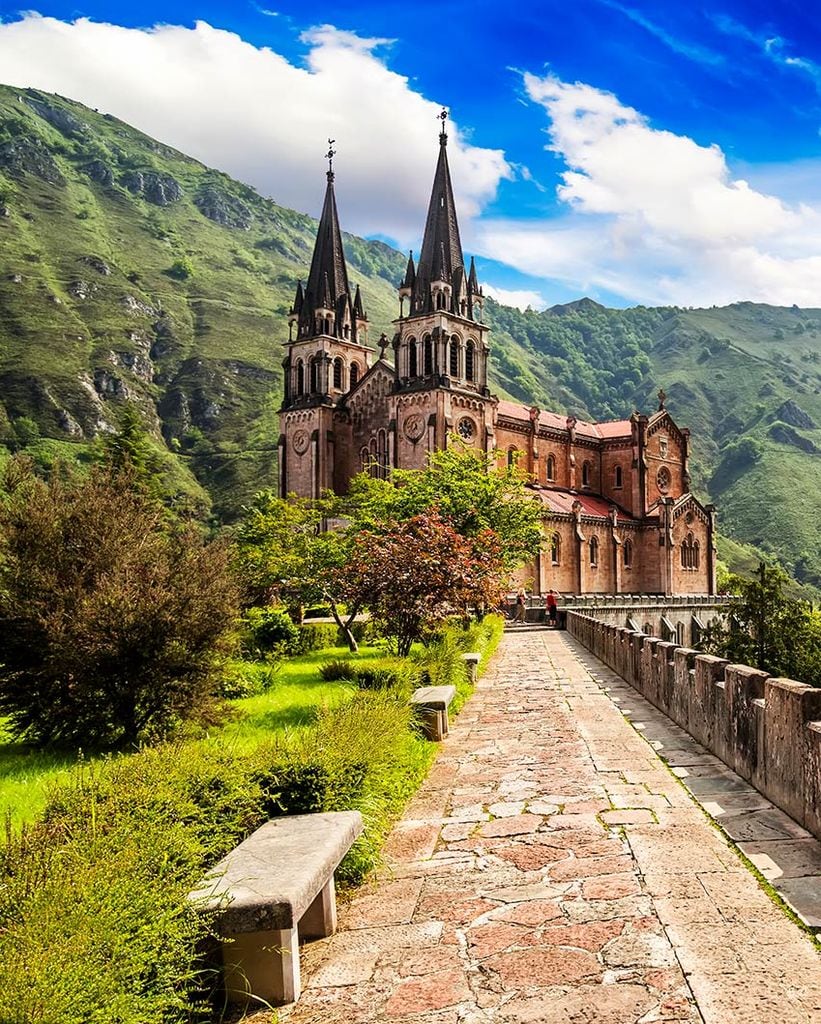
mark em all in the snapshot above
pixel 329 156
pixel 443 116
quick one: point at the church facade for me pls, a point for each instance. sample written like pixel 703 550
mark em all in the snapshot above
pixel 619 514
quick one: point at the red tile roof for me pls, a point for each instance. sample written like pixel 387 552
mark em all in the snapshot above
pixel 553 420
pixel 592 504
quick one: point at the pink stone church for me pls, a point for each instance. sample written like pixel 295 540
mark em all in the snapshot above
pixel 619 515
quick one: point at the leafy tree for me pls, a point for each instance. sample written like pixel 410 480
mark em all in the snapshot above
pixel 413 575
pixel 285 552
pixel 468 489
pixel 113 621
pixel 129 450
pixel 778 634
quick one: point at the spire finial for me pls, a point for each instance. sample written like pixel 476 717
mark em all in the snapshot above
pixel 662 399
pixel 329 156
pixel 443 135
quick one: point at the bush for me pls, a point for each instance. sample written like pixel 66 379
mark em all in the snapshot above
pixel 387 674
pixel 339 668
pixel 268 630
pixel 115 621
pixel 247 679
pixel 316 636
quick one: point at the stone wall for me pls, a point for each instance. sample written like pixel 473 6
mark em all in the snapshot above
pixel 767 730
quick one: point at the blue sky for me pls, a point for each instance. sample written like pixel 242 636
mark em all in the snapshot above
pixel 645 152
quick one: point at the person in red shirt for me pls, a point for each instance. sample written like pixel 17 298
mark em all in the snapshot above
pixel 551 607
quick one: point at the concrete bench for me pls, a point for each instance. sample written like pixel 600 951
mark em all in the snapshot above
pixel 272 890
pixel 472 659
pixel 431 705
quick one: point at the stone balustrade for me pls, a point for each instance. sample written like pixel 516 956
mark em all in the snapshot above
pixel 767 730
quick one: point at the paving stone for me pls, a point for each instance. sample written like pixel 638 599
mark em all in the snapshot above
pixel 547 911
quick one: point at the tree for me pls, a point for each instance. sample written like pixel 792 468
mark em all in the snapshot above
pixel 768 630
pixel 413 575
pixel 114 620
pixel 468 489
pixel 287 553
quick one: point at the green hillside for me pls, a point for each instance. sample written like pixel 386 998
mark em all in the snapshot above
pixel 130 273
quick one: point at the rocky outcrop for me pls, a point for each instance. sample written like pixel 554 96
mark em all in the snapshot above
pixel 134 305
pixel 99 171
pixel 154 187
pixel 786 435
pixel 109 385
pixel 223 208
pixel 97 264
pixel 59 118
pixel 792 413
pixel 81 290
pixel 22 156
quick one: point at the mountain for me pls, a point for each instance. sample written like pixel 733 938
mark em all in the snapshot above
pixel 132 274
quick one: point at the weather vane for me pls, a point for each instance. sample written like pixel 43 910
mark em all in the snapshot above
pixel 330 155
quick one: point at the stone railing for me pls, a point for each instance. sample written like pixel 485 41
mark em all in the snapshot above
pixel 767 730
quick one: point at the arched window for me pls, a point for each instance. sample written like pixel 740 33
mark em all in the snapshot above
pixel 511 457
pixel 627 551
pixel 696 552
pixel 555 549
pixel 338 373
pixel 364 458
pixel 690 553
pixel 454 357
pixel 354 374
pixel 470 352
pixel 314 375
pixel 412 360
pixel 550 468
pixel 617 478
pixel 427 368
pixel 586 472
pixel 300 377
pixel 373 465
pixel 594 551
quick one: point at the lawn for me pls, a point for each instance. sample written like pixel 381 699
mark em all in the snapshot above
pixel 27 775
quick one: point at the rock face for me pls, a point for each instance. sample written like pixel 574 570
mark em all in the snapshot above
pixel 59 118
pixel 97 264
pixel 156 188
pixel 786 435
pixel 22 156
pixel 792 413
pixel 99 171
pixel 109 385
pixel 222 208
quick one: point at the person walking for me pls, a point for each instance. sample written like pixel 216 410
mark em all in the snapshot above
pixel 552 607
pixel 520 606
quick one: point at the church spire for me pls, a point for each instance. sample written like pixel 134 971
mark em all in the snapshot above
pixel 441 256
pixel 327 290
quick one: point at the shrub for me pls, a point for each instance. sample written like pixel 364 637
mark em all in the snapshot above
pixel 115 621
pixel 339 668
pixel 247 679
pixel 387 674
pixel 442 661
pixel 268 630
pixel 182 269
pixel 315 636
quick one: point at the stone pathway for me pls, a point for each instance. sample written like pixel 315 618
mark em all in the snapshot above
pixel 552 869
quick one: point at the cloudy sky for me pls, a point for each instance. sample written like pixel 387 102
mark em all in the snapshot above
pixel 637 153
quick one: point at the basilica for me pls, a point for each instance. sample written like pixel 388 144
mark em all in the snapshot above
pixel 618 513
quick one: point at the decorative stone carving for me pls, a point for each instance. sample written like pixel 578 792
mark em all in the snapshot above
pixel 301 442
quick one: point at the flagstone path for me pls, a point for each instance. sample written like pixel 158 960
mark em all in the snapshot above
pixel 552 869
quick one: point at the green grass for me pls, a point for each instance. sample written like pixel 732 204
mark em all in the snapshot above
pixel 27 775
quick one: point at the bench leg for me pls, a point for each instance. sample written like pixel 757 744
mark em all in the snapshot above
pixel 262 966
pixel 319 919
pixel 444 727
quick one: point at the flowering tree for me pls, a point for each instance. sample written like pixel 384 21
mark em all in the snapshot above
pixel 415 574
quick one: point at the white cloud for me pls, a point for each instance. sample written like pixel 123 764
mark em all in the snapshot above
pixel 521 298
pixel 654 216
pixel 252 113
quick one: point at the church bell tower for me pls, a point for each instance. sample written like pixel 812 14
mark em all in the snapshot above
pixel 327 355
pixel 440 344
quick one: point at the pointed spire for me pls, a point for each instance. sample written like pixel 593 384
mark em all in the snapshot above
pixel 441 247
pixel 299 299
pixel 410 273
pixel 328 276
pixel 358 311
pixel 473 282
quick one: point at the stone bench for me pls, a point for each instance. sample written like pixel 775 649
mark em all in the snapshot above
pixel 472 659
pixel 431 705
pixel 272 890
